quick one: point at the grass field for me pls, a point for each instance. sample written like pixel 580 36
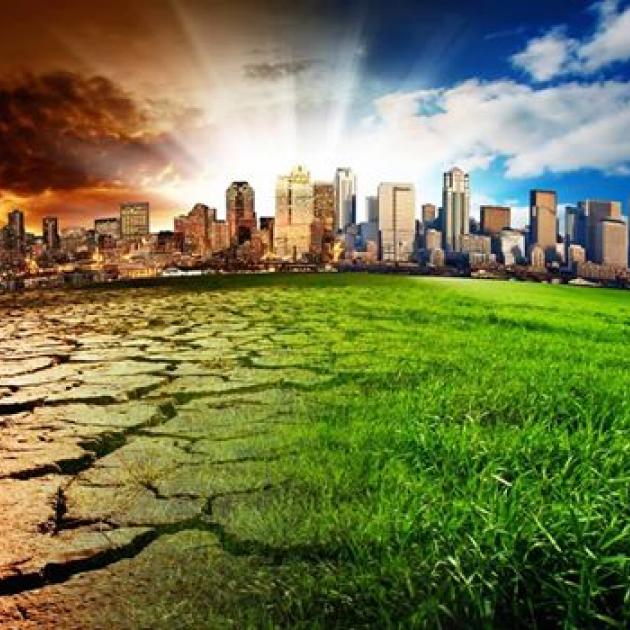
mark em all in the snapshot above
pixel 466 462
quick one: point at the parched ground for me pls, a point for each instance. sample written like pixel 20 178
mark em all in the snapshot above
pixel 131 421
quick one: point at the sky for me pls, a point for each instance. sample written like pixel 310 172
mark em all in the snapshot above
pixel 170 100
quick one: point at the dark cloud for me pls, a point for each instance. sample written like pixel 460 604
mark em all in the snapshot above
pixel 63 131
pixel 275 71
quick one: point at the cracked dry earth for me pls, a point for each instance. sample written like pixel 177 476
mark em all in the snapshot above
pixel 131 424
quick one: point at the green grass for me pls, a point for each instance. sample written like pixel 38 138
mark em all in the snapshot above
pixel 467 463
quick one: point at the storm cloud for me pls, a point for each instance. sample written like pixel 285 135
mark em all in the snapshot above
pixel 62 131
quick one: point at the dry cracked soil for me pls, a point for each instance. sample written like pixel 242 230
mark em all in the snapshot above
pixel 131 424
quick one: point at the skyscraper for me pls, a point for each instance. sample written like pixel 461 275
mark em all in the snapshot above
pixel 456 207
pixel 592 212
pixel 396 221
pixel 345 198
pixel 17 231
pixel 134 220
pixel 240 213
pixel 494 219
pixel 571 225
pixel 542 221
pixel 323 233
pixel 295 214
pixel 611 242
pixel 324 205
pixel 50 232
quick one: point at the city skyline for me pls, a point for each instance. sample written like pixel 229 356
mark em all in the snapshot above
pixel 167 101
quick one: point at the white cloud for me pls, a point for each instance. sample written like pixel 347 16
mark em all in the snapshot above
pixel 547 56
pixel 611 42
pixel 554 53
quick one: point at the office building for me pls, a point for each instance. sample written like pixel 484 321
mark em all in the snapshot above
pixel 50 233
pixel 134 220
pixel 542 221
pixel 572 226
pixel 16 232
pixel 323 233
pixel 240 212
pixel 194 229
pixel 324 205
pixel 295 214
pixel 345 198
pixel 455 207
pixel 611 243
pixel 494 219
pixel 396 221
pixel 591 213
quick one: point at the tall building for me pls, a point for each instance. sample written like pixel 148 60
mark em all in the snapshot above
pixel 50 232
pixel 456 207
pixel 611 243
pixel 543 205
pixel 324 225
pixel 194 229
pixel 324 205
pixel 494 219
pixel 345 198
pixel 429 215
pixel 396 221
pixel 16 231
pixel 240 212
pixel 134 220
pixel 295 214
pixel 591 213
pixel 571 225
